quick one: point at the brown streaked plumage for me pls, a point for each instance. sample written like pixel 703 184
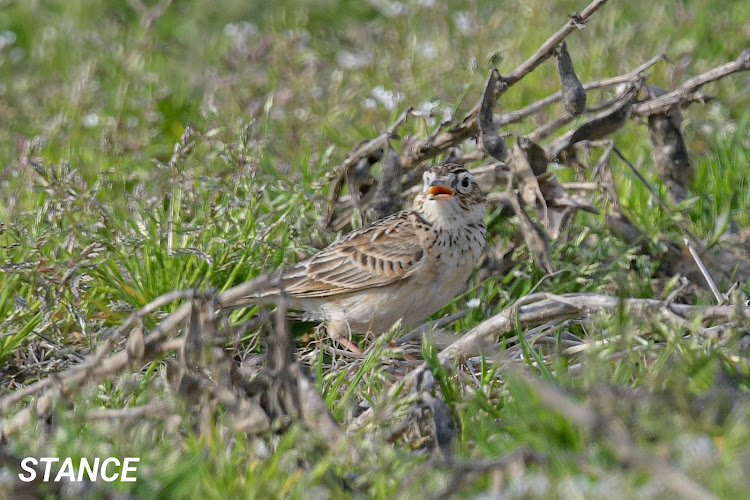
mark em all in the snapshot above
pixel 403 267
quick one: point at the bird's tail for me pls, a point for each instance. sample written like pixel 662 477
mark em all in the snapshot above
pixel 263 289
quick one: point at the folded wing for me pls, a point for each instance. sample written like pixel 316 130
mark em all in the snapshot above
pixel 386 251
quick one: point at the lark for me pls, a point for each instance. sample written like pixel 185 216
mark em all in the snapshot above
pixel 403 267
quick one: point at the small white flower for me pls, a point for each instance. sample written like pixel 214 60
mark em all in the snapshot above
pixel 427 107
pixel 447 115
pixel 91 120
pixel 428 51
pixel 350 60
pixel 473 303
pixel 240 33
pixel 7 37
pixel 392 9
pixel 388 98
pixel 464 22
pixel 242 29
pixel 16 54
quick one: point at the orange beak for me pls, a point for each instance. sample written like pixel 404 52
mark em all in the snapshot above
pixel 438 190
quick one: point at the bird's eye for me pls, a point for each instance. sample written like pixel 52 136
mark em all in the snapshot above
pixel 464 183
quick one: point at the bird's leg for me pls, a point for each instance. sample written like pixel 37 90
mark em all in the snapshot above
pixel 338 331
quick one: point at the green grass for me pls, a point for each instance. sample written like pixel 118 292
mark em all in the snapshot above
pixel 106 202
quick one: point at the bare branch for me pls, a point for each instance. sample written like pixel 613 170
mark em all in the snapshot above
pixel 687 92
pixel 159 409
pixel 94 365
pixel 630 77
pixel 540 308
pixel 706 275
pixel 435 144
pixel 547 49
pixel 339 173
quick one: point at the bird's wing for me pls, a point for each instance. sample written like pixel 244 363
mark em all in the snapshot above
pixel 384 252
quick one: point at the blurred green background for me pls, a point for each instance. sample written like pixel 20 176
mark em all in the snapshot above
pixel 100 213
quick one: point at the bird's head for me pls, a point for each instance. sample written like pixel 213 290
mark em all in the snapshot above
pixel 450 192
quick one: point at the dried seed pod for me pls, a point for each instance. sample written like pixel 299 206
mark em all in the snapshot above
pixel 606 122
pixel 44 406
pixel 249 418
pixel 489 140
pixel 561 206
pixel 441 426
pixel 192 352
pixel 670 152
pixel 387 198
pixel 535 154
pixel 136 344
pixel 528 187
pixel 360 181
pixel 573 93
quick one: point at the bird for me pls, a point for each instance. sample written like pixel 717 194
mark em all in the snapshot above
pixel 405 266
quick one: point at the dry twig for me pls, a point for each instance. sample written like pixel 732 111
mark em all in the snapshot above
pixel 687 92
pixel 542 308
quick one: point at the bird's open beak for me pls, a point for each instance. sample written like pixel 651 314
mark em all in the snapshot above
pixel 438 191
